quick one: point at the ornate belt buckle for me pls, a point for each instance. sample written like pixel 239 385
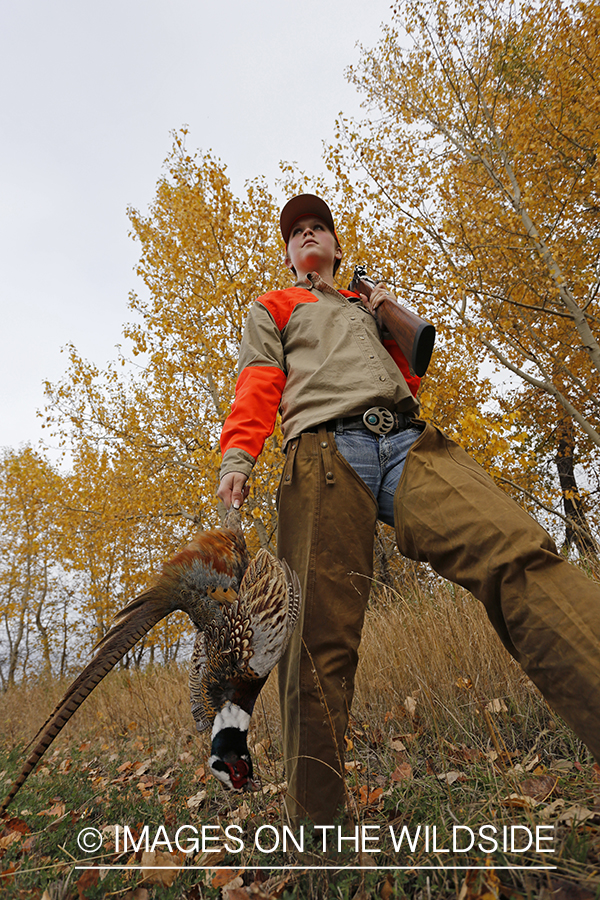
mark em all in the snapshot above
pixel 378 419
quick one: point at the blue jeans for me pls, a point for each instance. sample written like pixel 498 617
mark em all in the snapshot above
pixel 379 460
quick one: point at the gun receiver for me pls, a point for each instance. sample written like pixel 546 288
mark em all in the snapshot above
pixel 415 336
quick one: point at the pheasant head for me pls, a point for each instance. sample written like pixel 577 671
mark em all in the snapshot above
pixel 230 759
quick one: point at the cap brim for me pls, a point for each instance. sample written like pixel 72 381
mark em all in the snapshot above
pixel 304 205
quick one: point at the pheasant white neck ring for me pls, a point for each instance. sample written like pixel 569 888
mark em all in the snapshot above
pixel 230 759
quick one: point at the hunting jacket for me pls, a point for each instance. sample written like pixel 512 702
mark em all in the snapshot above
pixel 314 354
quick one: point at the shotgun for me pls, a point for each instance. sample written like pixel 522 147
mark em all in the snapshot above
pixel 415 336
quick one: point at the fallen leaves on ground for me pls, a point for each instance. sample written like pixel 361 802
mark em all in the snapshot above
pixel 8 874
pixel 451 777
pixel 540 788
pixel 480 885
pixel 194 803
pixel 576 815
pixel 88 880
pixel 224 878
pixel 166 870
pixel 138 893
pixel 410 704
pixel 402 772
pixel 519 801
pixel 7 840
pixel 58 809
pixel 386 891
pixel 461 754
pixel 370 797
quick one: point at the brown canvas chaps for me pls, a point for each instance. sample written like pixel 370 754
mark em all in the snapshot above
pixel 449 513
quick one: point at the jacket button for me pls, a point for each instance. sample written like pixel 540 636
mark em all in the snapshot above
pixel 382 377
pixel 329 475
pixel 324 445
pixel 287 477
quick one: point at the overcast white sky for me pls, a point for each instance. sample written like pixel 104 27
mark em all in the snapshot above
pixel 89 95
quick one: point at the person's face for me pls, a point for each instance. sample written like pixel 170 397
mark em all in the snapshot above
pixel 311 247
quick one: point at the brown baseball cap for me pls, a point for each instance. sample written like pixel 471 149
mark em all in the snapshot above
pixel 304 205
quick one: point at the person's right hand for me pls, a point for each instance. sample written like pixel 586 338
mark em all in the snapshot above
pixel 233 489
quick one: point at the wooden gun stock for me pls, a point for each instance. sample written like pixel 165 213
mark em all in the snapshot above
pixel 415 336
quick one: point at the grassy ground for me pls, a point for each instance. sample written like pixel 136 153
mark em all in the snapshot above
pixel 447 734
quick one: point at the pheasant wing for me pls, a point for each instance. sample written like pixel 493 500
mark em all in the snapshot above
pixel 270 599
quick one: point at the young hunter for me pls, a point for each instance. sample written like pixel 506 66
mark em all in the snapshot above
pixel 315 353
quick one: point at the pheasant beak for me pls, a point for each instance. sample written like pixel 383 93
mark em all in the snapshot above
pixel 223 595
pixel 254 784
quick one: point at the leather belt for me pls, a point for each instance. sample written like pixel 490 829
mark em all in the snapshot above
pixel 376 419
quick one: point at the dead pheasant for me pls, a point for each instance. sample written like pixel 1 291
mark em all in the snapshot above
pixel 244 612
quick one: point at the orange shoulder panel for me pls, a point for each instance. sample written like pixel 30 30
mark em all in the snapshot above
pixel 281 304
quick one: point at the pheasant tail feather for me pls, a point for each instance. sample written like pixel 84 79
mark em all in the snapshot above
pixel 131 624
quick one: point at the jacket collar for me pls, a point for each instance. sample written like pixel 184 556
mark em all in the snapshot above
pixel 314 281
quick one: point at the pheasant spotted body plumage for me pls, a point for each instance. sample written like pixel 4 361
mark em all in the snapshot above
pixel 235 653
pixel 244 612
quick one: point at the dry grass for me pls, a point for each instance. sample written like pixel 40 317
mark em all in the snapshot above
pixel 429 642
pixel 433 643
pixel 436 645
pixel 152 706
pixel 154 701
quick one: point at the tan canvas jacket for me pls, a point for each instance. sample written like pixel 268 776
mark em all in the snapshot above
pixel 314 354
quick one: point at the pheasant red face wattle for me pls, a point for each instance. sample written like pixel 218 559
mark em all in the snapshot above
pixel 239 773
